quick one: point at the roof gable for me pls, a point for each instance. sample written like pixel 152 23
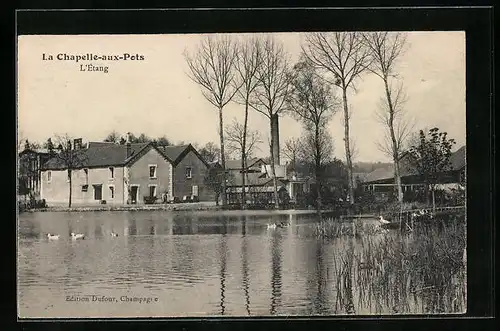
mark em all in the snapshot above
pixel 176 153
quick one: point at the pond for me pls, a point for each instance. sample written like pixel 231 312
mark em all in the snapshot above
pixel 173 264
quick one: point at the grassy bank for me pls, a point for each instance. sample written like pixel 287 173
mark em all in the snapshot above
pixel 421 272
pixel 173 207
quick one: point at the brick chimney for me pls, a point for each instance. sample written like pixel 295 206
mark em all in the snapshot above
pixel 276 138
pixel 129 148
pixel 77 143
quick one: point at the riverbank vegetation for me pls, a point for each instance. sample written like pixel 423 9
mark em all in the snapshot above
pixel 421 272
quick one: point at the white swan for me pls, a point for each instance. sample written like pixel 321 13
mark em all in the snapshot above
pixel 271 226
pixel 52 236
pixel 383 221
pixel 113 234
pixel 77 236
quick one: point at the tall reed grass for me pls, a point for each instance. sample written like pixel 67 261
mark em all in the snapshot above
pixel 392 272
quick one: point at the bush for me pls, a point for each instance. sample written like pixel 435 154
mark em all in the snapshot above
pixel 149 200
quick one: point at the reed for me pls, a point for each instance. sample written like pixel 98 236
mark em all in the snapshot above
pixel 421 272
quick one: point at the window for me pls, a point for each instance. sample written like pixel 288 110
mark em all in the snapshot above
pixel 111 172
pixel 85 188
pixel 86 171
pixel 194 190
pixel 49 176
pixel 189 172
pixel 152 171
pixel 111 192
pixel 152 190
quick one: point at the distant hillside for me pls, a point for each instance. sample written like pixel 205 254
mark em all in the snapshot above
pixel 367 167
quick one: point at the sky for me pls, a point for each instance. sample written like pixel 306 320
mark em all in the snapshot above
pixel 155 96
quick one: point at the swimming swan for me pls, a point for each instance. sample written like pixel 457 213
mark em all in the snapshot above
pixel 52 236
pixel 77 236
pixel 271 226
pixel 383 221
pixel 113 234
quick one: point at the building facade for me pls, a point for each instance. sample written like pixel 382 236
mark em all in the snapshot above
pixel 29 171
pixel 125 174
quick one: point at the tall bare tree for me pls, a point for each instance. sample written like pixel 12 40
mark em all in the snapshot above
pixel 212 66
pixel 249 59
pixel 112 137
pixel 313 104
pixel 241 141
pixel 210 152
pixel 69 157
pixel 291 149
pixel 385 49
pixel 269 97
pixel 343 57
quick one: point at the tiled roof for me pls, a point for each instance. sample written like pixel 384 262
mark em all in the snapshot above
pixel 173 152
pixel 457 160
pixel 99 155
pixel 236 164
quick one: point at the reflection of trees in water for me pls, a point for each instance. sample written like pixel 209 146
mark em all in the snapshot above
pixel 276 280
pixel 244 267
pixel 223 268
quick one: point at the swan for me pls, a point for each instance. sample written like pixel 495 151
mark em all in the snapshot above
pixel 283 225
pixel 383 221
pixel 77 236
pixel 113 234
pixel 52 236
pixel 271 226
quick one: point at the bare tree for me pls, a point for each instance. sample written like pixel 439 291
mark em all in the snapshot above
pixel 249 59
pixel 313 104
pixel 210 152
pixel 212 66
pixel 291 150
pixel 343 57
pixel 69 158
pixel 269 97
pixel 385 49
pixel 237 140
pixel 112 137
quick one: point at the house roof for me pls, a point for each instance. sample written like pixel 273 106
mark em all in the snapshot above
pixel 32 150
pixel 176 153
pixel 100 155
pixel 236 164
pixel 252 179
pixel 457 161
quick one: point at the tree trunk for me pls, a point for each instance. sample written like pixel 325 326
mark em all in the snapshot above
pixel 317 171
pixel 394 147
pixel 433 201
pixel 222 158
pixel 70 188
pixel 273 168
pixel 347 148
pixel 244 157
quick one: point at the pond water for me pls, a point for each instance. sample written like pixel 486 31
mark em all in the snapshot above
pixel 165 264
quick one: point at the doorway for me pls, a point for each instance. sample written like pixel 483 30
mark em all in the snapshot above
pixel 97 192
pixel 134 193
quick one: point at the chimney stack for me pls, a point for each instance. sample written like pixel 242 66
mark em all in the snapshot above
pixel 128 145
pixel 276 138
pixel 77 143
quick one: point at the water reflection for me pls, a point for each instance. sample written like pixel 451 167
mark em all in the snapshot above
pixel 202 263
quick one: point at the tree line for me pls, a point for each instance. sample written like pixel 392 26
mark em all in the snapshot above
pixel 256 72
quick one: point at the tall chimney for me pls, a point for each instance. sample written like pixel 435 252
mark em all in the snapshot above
pixel 77 143
pixel 128 145
pixel 276 138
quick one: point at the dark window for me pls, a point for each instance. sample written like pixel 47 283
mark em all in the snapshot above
pixel 111 172
pixel 152 171
pixel 189 172
pixel 85 188
pixel 152 191
pixel 112 192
